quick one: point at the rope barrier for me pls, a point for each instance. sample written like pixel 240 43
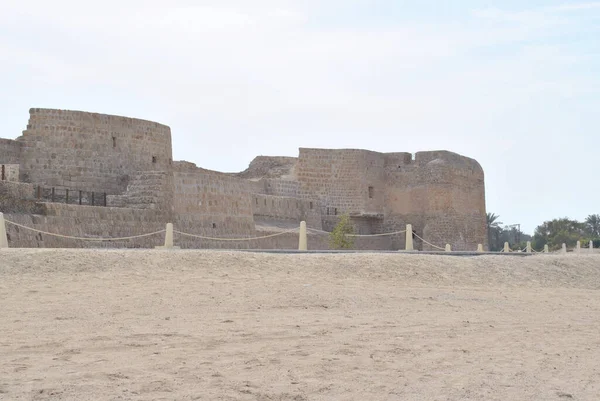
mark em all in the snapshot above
pixel 82 238
pixel 230 239
pixel 358 235
pixel 234 239
pixel 429 243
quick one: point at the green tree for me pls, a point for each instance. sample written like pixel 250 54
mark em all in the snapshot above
pixel 558 231
pixel 339 239
pixel 493 231
pixel 592 225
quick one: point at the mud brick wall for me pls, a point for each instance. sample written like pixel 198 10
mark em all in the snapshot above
pixel 89 151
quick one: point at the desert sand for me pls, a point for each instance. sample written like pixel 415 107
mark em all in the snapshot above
pixel 208 325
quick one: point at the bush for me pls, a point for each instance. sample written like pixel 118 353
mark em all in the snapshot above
pixel 339 239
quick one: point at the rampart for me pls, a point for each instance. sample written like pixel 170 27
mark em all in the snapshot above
pixel 95 152
pixel 129 162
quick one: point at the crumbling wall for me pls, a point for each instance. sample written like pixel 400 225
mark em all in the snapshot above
pixel 269 167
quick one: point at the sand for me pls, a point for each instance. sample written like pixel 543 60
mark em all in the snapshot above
pixel 202 325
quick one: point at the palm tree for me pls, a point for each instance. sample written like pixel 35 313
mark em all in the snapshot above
pixel 592 223
pixel 493 227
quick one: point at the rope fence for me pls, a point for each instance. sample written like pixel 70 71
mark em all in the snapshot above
pixel 302 240
pixel 235 239
pixel 430 244
pixel 358 235
pixel 83 238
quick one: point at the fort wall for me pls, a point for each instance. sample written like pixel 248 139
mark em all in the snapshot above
pixel 89 151
pixel 348 180
pixel 442 195
pixel 85 221
pixel 285 211
pixel 439 192
pixel 10 151
pixel 210 203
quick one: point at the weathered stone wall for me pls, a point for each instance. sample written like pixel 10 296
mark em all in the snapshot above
pixel 282 187
pixel 442 195
pixel 210 203
pixel 10 172
pixel 269 167
pixel 349 180
pixel 285 211
pixel 16 197
pixel 10 151
pixel 85 221
pixel 148 190
pixel 92 152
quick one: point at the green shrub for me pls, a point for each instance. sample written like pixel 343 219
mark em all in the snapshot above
pixel 339 239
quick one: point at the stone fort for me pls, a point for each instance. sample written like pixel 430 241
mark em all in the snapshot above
pixel 93 175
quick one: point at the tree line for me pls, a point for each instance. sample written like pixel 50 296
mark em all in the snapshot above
pixel 552 233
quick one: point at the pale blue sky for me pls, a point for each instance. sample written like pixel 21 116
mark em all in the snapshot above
pixel 513 84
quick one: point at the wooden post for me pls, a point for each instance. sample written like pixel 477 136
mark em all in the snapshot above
pixel 3 173
pixel 52 198
pixel 92 198
pixel 67 197
pixel 105 199
pixel 80 197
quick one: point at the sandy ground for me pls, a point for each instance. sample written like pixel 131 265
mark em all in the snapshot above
pixel 200 325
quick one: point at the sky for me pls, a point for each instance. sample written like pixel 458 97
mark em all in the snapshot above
pixel 512 84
